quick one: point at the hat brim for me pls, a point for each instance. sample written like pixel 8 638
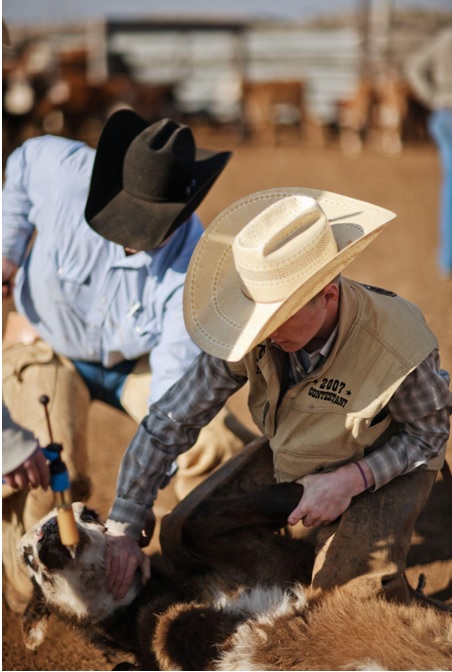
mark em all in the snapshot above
pixel 116 214
pixel 144 225
pixel 218 316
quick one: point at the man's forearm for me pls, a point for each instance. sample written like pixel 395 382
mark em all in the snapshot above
pixel 143 470
pixel 170 428
pixel 410 449
pixel 421 407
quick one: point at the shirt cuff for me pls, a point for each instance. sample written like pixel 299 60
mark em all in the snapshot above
pixel 127 517
pixel 14 244
pixel 382 470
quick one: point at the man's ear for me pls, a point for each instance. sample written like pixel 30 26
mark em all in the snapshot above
pixel 331 293
pixel 35 620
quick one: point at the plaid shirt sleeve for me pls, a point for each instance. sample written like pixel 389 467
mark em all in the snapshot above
pixel 170 428
pixel 422 404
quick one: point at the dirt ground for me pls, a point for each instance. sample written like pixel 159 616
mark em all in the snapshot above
pixel 402 259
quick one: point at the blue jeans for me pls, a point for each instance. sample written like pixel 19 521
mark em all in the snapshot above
pixel 440 126
pixel 105 384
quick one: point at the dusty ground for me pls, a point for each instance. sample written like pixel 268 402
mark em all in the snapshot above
pixel 403 259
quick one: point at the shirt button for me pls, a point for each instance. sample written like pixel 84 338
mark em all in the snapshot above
pixel 60 271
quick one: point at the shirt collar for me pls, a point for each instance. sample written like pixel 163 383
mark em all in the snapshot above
pixel 155 260
pixel 311 360
pixel 137 260
pixel 326 348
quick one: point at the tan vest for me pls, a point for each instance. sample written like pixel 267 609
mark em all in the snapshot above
pixel 325 420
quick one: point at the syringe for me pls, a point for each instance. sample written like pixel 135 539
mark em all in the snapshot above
pixel 60 484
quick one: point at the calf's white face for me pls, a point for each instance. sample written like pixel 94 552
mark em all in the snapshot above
pixel 76 586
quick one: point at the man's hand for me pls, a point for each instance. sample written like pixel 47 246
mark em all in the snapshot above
pixel 33 472
pixel 9 269
pixel 326 496
pixel 122 558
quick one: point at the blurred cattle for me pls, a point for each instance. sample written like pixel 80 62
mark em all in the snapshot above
pixel 45 93
pixel 389 114
pixel 353 116
pixel 381 114
pixel 416 121
pixel 268 105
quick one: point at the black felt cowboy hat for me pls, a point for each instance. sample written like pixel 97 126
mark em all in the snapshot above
pixel 147 179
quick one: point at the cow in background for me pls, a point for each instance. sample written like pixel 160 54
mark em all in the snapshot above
pixel 267 106
pixel 45 92
pixel 380 115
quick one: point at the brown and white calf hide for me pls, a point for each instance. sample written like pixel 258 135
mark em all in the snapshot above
pixel 276 629
pixel 243 605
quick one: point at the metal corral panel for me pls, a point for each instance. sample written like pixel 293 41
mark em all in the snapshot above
pixel 206 66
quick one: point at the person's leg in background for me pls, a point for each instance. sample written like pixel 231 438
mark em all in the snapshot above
pixel 105 384
pixel 440 125
pixel 366 548
pixel 29 371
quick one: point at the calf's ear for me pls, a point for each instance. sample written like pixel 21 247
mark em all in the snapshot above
pixel 35 620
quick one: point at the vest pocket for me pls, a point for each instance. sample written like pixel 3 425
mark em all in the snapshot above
pixel 290 465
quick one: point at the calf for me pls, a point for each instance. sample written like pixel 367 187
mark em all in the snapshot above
pixel 276 629
pixel 232 595
pixel 75 589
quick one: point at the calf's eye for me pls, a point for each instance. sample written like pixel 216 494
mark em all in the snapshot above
pixel 89 515
pixel 28 556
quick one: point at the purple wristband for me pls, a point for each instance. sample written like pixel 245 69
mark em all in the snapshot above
pixel 366 485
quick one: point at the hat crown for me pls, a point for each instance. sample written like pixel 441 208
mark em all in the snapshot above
pixel 282 247
pixel 160 163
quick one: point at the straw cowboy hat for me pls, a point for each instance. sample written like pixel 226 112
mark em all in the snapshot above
pixel 147 179
pixel 266 256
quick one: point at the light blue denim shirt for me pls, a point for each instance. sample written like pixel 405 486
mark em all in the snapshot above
pixel 80 292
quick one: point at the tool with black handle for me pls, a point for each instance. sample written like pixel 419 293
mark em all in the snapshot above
pixel 60 484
